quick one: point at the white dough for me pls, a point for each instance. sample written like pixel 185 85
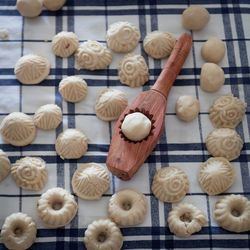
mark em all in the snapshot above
pixel 53 4
pixel 29 8
pixel 4 34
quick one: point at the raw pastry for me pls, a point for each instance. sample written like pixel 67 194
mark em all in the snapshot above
pixel 216 175
pixel 48 116
pixel 227 112
pixel 122 37
pixel 110 104
pixel 71 144
pixel 18 129
pixel 56 207
pixel 159 44
pixel 224 142
pixel 4 165
pixel 195 17
pixel 53 4
pixel 103 234
pixel 170 184
pixel 32 68
pixel 18 231
pixel 133 70
pixel 128 207
pixel 136 126
pixel 29 8
pixel 187 108
pixel 4 34
pixel 213 50
pixel 93 55
pixel 30 173
pixel 232 212
pixel 212 77
pixel 73 89
pixel 186 219
pixel 64 44
pixel 90 181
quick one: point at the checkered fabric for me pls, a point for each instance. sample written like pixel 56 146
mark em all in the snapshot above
pixel 181 144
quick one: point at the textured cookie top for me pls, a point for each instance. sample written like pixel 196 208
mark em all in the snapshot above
pixel 4 165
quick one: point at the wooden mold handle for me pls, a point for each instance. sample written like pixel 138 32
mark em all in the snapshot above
pixel 173 65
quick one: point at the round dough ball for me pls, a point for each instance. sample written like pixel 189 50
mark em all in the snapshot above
pixel 29 8
pixel 212 77
pixel 187 108
pixel 53 4
pixel 195 17
pixel 213 50
pixel 136 126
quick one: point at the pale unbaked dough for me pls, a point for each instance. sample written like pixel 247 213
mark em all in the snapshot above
pixel 4 165
pixel 4 34
pixel 29 8
pixel 53 4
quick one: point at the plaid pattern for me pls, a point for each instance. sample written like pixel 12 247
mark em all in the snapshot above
pixel 181 143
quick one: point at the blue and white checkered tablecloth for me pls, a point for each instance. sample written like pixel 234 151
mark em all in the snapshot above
pixel 181 144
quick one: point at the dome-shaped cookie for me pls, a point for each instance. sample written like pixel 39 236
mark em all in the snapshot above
pixel 30 173
pixel 216 175
pixel 170 184
pixel 90 181
pixel 224 142
pixel 29 8
pixel 227 112
pixel 110 104
pixel 122 37
pixel 93 55
pixel 53 5
pixel 159 44
pixel 48 116
pixel 18 129
pixel 4 165
pixel 32 68
pixel 133 70
pixel 71 144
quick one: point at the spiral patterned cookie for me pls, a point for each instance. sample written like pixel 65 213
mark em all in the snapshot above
pixel 224 142
pixel 4 165
pixel 133 70
pixel 170 184
pixel 227 111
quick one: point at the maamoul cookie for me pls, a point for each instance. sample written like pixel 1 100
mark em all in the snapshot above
pixel 128 207
pixel 64 44
pixel 53 4
pixel 170 184
pixel 216 175
pixel 227 112
pixel 18 129
pixel 73 88
pixel 30 173
pixel 93 55
pixel 224 142
pixel 29 8
pixel 122 37
pixel 110 104
pixel 187 108
pixel 32 68
pixel 133 70
pixel 212 77
pixel 232 212
pixel 18 231
pixel 136 126
pixel 186 219
pixel 56 207
pixel 90 181
pixel 213 50
pixel 4 165
pixel 159 44
pixel 48 116
pixel 195 17
pixel 71 144
pixel 103 234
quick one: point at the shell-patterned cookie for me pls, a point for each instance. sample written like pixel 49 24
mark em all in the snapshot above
pixel 18 129
pixel 110 104
pixel 159 44
pixel 227 111
pixel 56 207
pixel 133 70
pixel 71 144
pixel 216 175
pixel 30 173
pixel 170 184
pixel 224 142
pixel 4 165
pixel 90 181
pixel 32 68
pixel 122 37
pixel 93 55
pixel 232 212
